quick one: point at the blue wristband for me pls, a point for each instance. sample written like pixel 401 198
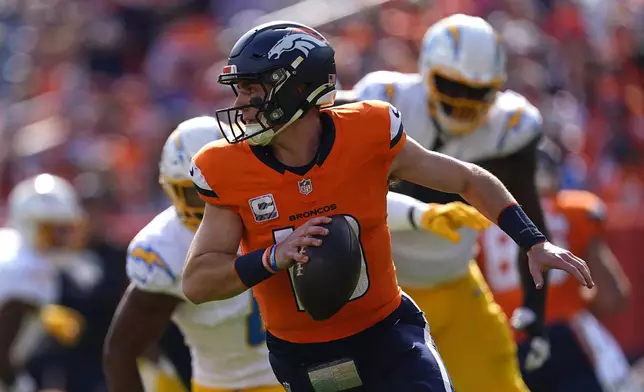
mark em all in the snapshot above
pixel 271 259
pixel 250 268
pixel 515 223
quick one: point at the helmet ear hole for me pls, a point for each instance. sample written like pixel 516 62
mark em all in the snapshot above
pixel 275 77
pixel 276 114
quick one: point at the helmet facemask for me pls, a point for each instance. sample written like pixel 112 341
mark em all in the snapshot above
pixel 180 147
pixel 59 236
pixel 183 194
pixel 270 117
pixel 459 104
pixel 261 130
pixel 45 210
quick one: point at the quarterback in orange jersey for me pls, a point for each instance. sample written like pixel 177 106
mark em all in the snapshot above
pixel 287 159
pixel 584 357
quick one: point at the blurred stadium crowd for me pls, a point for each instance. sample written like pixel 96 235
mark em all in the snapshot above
pixel 90 89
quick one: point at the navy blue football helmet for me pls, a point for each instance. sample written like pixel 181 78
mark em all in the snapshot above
pixel 295 66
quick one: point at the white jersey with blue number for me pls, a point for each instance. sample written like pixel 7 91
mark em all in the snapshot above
pixel 424 259
pixel 226 338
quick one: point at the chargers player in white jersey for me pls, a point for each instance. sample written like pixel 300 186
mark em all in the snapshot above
pixel 44 235
pixel 455 106
pixel 226 338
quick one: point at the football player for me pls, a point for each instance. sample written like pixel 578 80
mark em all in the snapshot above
pixel 288 158
pixel 585 357
pixel 226 338
pixel 45 234
pixel 455 106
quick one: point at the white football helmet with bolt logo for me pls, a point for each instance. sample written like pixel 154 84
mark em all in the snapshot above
pixel 174 166
pixel 47 213
pixel 463 64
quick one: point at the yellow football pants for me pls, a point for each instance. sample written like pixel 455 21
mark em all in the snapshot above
pixel 472 334
pixel 165 382
pixel 168 383
pixel 156 379
pixel 274 388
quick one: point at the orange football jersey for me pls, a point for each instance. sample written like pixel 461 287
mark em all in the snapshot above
pixel 349 177
pixel 574 218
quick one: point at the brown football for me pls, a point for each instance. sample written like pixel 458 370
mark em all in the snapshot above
pixel 326 282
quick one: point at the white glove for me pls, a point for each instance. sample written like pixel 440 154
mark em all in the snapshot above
pixel 539 352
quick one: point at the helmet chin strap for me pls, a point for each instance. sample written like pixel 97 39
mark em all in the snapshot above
pixel 260 136
pixel 264 138
pixel 446 126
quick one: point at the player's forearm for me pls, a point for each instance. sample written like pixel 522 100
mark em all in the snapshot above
pixel 446 174
pixel 479 187
pixel 13 314
pixel 120 357
pixel 211 277
pixel 7 372
pixel 404 212
pixel 485 192
pixel 122 373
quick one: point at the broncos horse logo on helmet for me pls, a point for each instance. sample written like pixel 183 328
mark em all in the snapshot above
pixel 295 41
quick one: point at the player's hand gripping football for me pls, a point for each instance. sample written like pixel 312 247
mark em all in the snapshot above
pixel 445 220
pixel 289 251
pixel 545 256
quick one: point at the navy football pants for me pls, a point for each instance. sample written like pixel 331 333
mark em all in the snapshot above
pixel 567 370
pixel 396 354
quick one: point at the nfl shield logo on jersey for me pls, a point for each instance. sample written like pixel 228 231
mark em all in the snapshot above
pixel 305 186
pixel 287 386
